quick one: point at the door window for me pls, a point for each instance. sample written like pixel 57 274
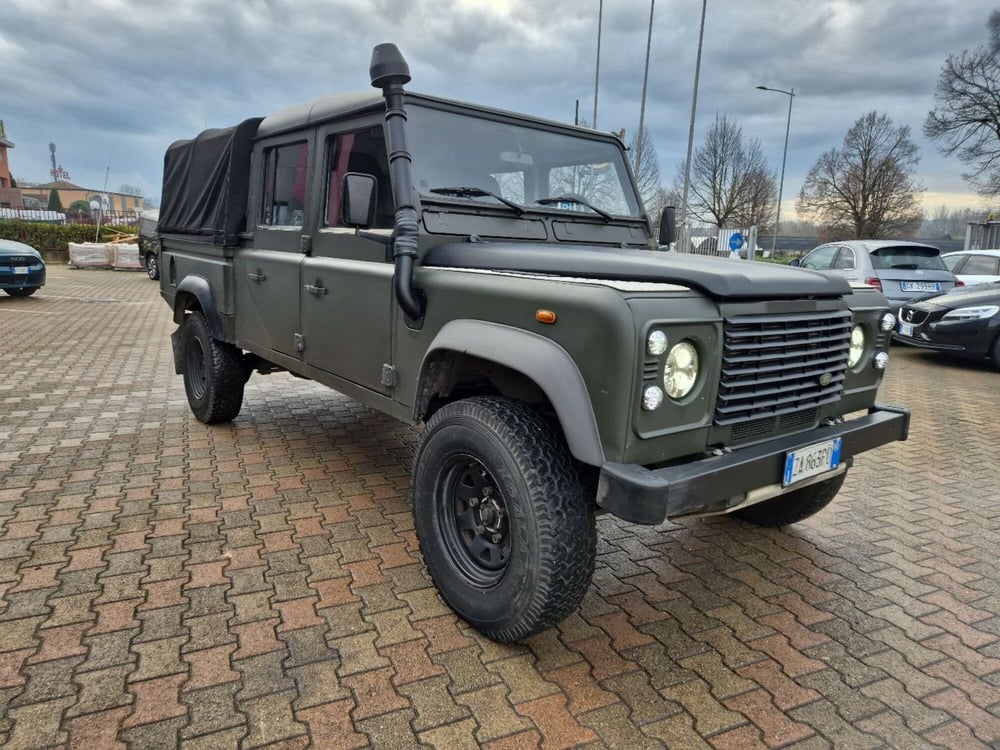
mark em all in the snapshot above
pixel 820 259
pixel 285 184
pixel 362 151
pixel 981 265
pixel 845 260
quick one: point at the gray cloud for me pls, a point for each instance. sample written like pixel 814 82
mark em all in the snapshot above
pixel 134 76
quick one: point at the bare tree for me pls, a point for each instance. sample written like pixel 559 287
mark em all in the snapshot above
pixel 126 189
pixel 966 120
pixel 731 183
pixel 866 188
pixel 647 170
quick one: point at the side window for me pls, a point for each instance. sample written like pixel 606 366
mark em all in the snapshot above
pixel 845 260
pixel 361 151
pixel 285 182
pixel 981 265
pixel 952 262
pixel 820 259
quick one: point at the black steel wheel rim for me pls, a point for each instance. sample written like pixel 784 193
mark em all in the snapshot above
pixel 474 521
pixel 196 368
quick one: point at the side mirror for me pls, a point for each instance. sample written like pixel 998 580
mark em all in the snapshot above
pixel 358 209
pixel 668 226
pixel 795 262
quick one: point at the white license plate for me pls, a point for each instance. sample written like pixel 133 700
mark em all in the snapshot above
pixel 921 286
pixel 20 269
pixel 905 329
pixel 811 460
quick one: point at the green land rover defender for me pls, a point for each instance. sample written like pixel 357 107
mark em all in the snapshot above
pixel 493 276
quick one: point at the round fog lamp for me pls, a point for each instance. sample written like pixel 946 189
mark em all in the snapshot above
pixel 888 322
pixel 681 370
pixel 857 346
pixel 656 344
pixel 881 360
pixel 652 398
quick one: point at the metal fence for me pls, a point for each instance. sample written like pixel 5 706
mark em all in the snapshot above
pixel 982 235
pixel 727 242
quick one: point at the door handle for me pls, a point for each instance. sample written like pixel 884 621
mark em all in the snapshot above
pixel 256 277
pixel 318 289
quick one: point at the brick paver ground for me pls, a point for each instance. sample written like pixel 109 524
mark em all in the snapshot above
pixel 164 583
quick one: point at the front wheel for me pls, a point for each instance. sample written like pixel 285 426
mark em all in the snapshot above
pixel 794 506
pixel 152 266
pixel 214 373
pixel 505 530
pixel 25 291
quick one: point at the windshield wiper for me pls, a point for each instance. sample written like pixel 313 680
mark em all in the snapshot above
pixel 474 192
pixel 575 199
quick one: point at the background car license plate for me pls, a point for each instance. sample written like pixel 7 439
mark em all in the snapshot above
pixel 811 460
pixel 906 329
pixel 20 269
pixel 921 286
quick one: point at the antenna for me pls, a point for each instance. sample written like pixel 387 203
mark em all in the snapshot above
pixel 104 193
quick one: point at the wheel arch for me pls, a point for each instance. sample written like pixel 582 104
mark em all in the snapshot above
pixel 521 361
pixel 195 293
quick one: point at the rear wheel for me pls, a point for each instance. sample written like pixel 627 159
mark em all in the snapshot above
pixel 214 373
pixel 505 530
pixel 794 506
pixel 152 266
pixel 24 291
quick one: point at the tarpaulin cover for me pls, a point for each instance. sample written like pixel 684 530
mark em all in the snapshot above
pixel 205 184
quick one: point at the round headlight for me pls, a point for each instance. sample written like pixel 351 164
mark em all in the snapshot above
pixel 656 344
pixel 881 360
pixel 681 370
pixel 888 322
pixel 652 397
pixel 857 346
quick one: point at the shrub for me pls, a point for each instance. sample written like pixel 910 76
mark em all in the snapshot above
pixel 56 236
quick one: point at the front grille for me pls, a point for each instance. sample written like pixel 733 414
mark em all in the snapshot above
pixel 910 315
pixel 778 369
pixel 18 260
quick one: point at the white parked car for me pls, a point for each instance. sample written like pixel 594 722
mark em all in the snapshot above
pixel 974 266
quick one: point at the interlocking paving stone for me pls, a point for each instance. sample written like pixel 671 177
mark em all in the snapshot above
pixel 168 584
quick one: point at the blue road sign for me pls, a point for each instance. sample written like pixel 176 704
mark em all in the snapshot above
pixel 735 241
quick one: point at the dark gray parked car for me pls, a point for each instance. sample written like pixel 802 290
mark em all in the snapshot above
pixel 902 271
pixel 22 270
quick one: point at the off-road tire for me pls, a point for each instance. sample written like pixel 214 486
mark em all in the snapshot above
pixel 152 266
pixel 24 291
pixel 794 506
pixel 508 452
pixel 214 373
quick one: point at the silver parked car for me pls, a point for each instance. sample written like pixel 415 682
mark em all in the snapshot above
pixel 974 266
pixel 901 270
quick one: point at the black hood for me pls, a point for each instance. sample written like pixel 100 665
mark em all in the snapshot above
pixel 718 277
pixel 979 294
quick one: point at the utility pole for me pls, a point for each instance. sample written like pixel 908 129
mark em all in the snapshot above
pixel 641 137
pixel 597 71
pixel 694 107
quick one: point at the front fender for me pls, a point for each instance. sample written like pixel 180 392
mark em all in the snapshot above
pixel 542 360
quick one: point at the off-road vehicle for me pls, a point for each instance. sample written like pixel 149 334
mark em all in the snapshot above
pixel 493 276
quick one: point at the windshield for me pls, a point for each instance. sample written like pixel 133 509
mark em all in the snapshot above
pixel 534 168
pixel 912 257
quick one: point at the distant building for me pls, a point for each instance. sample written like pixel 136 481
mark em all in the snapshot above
pixel 117 203
pixel 10 196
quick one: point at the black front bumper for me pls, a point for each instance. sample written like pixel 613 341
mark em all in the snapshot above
pixel 710 485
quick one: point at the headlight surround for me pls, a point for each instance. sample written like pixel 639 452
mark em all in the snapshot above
pixel 680 372
pixel 857 349
pixel 972 313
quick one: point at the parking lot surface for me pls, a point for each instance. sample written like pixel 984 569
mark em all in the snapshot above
pixel 164 583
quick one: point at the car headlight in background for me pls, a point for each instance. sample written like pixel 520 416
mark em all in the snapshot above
pixel 681 370
pixel 656 344
pixel 857 346
pixel 972 313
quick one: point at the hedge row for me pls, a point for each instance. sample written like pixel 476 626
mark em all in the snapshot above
pixel 56 236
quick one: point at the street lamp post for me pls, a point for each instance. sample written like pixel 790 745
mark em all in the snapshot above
pixel 784 155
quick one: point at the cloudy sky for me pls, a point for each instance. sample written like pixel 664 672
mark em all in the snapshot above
pixel 113 82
